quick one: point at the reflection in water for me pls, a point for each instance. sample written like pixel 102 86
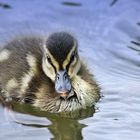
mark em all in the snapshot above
pixel 135 45
pixel 71 3
pixel 135 48
pixel 113 2
pixel 63 126
pixel 5 6
pixel 104 30
pixel 65 129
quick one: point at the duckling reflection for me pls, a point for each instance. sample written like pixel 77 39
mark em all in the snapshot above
pixel 63 126
pixel 47 73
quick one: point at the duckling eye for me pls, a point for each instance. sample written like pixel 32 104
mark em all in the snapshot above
pixel 49 59
pixel 73 55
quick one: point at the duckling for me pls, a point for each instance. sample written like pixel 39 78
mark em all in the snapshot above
pixel 47 73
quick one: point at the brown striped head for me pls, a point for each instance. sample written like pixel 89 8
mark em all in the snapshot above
pixel 61 60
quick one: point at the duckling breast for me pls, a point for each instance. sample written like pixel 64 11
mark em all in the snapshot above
pixel 85 95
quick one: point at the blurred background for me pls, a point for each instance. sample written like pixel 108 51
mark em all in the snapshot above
pixel 108 33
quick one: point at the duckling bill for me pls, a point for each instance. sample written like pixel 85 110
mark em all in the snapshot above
pixel 46 73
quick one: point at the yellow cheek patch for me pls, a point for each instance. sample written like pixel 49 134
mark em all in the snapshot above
pixel 74 68
pixel 48 70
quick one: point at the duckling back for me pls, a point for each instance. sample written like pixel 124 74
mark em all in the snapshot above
pixel 21 68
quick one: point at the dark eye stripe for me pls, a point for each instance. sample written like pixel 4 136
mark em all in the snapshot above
pixel 53 67
pixel 50 61
pixel 71 60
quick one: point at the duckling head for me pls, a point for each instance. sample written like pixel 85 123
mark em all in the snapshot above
pixel 61 61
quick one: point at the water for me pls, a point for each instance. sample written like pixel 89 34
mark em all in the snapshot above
pixel 109 39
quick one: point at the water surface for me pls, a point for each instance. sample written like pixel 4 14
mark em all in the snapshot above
pixel 109 40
